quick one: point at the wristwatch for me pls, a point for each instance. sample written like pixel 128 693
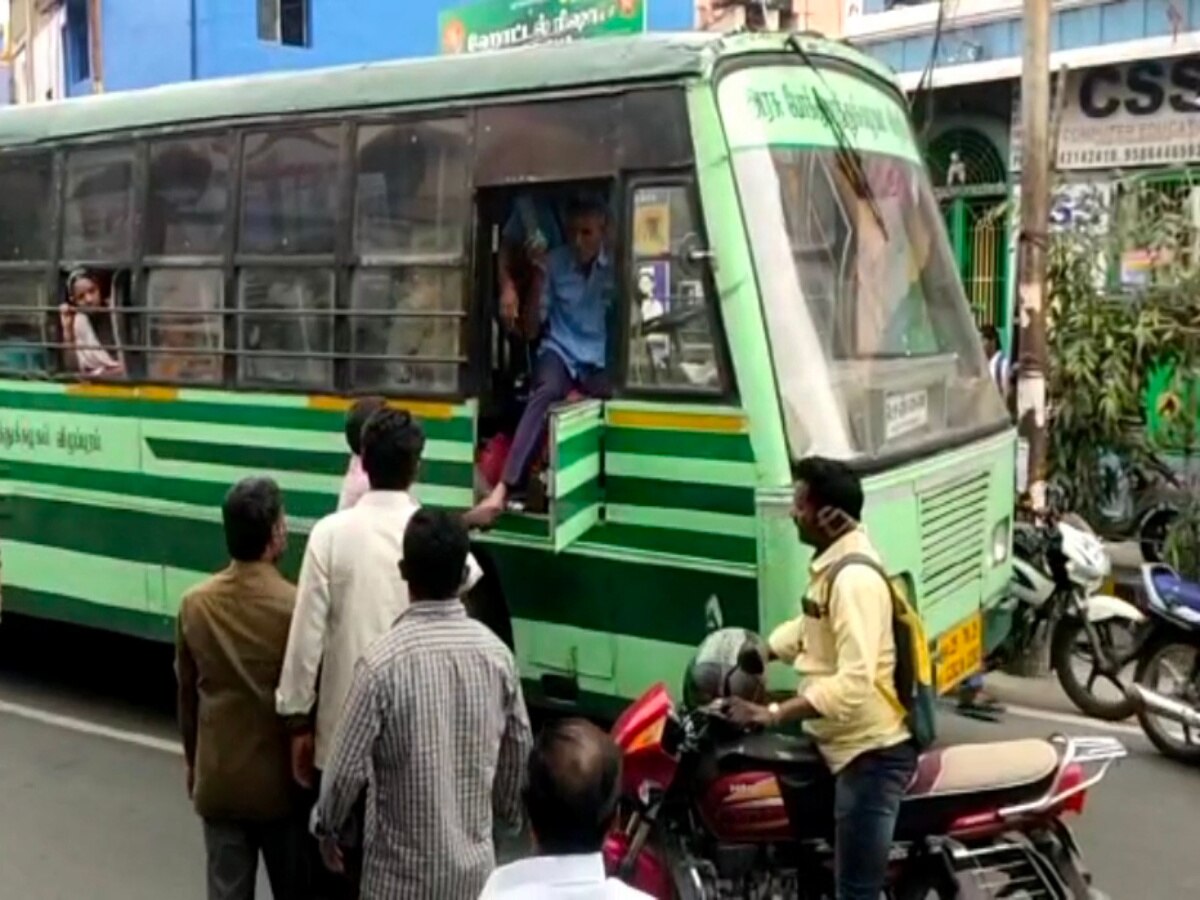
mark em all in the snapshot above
pixel 773 712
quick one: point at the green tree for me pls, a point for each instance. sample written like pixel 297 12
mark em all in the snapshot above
pixel 1125 348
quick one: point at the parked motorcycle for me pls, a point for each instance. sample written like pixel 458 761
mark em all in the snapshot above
pixel 1058 569
pixel 1166 688
pixel 711 811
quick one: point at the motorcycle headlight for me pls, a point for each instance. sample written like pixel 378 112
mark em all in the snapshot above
pixel 1000 541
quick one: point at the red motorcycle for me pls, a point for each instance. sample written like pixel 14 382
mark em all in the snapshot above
pixel 712 811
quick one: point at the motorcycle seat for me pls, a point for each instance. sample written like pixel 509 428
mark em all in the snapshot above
pixel 969 778
pixel 972 768
pixel 1174 589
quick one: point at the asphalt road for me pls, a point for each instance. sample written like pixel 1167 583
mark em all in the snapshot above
pixel 91 781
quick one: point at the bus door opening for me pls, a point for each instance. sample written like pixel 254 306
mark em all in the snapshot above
pixel 538 239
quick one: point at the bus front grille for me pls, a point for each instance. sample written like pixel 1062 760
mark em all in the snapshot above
pixel 953 536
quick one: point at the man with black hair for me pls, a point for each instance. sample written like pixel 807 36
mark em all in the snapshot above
pixel 356 483
pixel 350 590
pixel 230 637
pixel 435 728
pixel 577 295
pixel 572 784
pixel 844 649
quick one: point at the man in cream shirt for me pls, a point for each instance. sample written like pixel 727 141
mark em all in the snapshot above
pixel 843 648
pixel 350 590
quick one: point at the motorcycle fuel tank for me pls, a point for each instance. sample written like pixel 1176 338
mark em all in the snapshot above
pixel 746 807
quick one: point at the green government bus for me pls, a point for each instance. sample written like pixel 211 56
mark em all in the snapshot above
pixel 262 250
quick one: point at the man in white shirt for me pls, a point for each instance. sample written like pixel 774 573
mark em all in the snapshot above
pixel 350 590
pixel 571 789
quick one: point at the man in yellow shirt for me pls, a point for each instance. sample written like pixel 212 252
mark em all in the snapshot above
pixel 843 648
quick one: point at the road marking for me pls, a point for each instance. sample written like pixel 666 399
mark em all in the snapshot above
pixel 1081 722
pixel 82 726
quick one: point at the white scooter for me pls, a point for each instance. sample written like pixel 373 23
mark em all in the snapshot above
pixel 1058 570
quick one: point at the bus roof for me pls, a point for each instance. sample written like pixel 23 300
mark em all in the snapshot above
pixel 652 57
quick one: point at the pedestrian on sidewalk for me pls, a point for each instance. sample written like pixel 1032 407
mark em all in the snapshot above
pixel 231 633
pixel 355 483
pixel 350 593
pixel 435 730
pixel 572 784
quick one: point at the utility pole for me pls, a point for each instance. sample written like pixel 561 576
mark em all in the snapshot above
pixel 30 72
pixel 1031 250
pixel 96 45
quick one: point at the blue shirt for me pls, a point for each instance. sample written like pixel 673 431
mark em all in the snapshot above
pixel 575 305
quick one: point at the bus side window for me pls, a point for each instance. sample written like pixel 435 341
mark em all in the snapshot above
pixel 185 232
pixel 25 187
pixel 184 325
pixel 412 208
pixel 671 327
pixel 288 227
pixel 98 215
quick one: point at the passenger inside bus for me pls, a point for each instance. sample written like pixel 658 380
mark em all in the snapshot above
pixel 574 286
pixel 85 314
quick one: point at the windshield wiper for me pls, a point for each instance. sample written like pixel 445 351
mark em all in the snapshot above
pixel 849 159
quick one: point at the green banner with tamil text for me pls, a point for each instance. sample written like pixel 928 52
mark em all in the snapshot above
pixel 501 24
pixel 772 106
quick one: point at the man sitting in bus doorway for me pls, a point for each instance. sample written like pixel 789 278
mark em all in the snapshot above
pixel 576 300
pixel 843 647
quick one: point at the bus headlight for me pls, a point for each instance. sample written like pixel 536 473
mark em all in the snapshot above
pixel 1000 541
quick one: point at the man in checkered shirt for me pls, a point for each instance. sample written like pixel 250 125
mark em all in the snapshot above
pixel 434 731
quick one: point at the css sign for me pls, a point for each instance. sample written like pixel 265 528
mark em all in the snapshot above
pixel 1141 88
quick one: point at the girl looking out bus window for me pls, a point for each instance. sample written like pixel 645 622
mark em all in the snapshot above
pixel 85 353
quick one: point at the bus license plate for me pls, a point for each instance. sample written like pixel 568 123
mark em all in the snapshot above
pixel 959 653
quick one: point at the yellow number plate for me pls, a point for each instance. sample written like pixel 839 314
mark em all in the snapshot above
pixel 959 653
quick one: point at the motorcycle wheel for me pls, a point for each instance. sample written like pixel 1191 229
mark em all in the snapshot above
pixel 1070 646
pixel 1172 739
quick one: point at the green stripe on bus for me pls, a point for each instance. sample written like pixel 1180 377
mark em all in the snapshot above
pixel 672 442
pixel 699 545
pixel 459 428
pixel 620 596
pixel 579 446
pixel 305 504
pixel 576 501
pixel 45 605
pixel 280 459
pixel 132 535
pixel 679 495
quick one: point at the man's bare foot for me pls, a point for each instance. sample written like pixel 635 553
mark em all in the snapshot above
pixel 491 508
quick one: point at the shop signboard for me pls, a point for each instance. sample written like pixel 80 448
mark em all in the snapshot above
pixel 1139 114
pixel 502 24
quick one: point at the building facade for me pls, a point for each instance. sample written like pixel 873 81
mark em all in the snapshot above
pixel 1130 70
pixel 66 48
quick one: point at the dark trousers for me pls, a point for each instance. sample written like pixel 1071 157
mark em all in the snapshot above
pixel 866 804
pixel 329 885
pixel 552 383
pixel 234 847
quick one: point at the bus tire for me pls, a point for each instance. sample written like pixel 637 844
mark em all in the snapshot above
pixel 486 602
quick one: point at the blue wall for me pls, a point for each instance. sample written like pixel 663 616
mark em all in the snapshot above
pixel 150 42
pixel 1106 23
pixel 146 43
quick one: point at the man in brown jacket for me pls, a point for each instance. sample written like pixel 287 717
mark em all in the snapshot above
pixel 231 635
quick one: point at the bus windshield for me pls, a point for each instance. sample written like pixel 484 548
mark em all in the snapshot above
pixel 874 347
